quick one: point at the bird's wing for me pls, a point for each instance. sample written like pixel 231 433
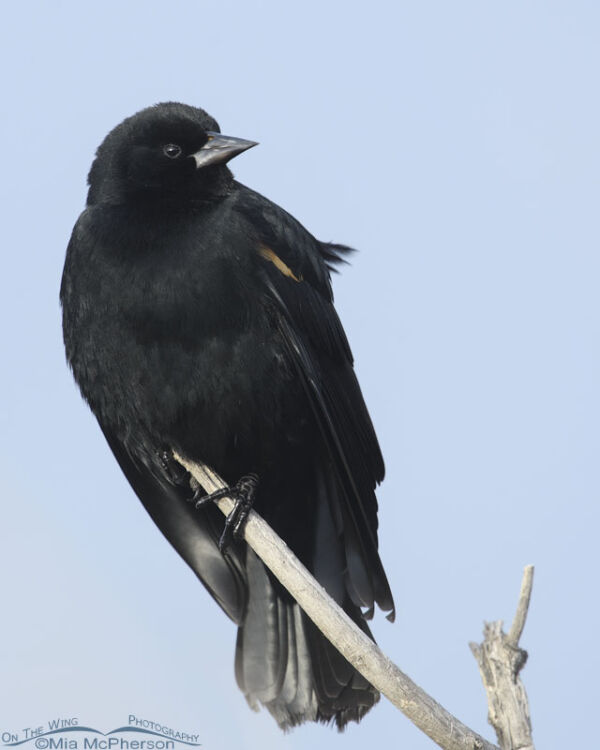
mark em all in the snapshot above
pixel 193 533
pixel 295 271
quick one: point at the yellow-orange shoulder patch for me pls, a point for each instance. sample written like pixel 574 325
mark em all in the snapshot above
pixel 268 254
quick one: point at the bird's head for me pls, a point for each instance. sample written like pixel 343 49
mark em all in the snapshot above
pixel 167 152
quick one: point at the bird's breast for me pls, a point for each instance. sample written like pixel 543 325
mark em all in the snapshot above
pixel 174 336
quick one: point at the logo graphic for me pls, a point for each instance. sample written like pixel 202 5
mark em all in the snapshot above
pixel 70 734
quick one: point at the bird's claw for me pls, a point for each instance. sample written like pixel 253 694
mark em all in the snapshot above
pixel 242 493
pixel 172 468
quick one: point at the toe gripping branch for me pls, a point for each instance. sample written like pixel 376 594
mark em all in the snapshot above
pixel 173 470
pixel 242 493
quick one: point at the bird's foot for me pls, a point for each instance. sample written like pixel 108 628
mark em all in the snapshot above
pixel 242 493
pixel 172 468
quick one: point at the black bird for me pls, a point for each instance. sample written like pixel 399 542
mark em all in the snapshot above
pixel 198 317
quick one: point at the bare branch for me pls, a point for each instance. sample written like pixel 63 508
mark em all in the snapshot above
pixel 500 660
pixel 446 731
pixel 514 634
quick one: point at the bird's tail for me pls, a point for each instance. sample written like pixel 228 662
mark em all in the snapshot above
pixel 284 662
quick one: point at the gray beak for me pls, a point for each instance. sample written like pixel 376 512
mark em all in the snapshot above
pixel 219 149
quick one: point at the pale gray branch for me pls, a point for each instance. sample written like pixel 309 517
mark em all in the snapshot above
pixel 448 732
pixel 500 660
pixel 516 629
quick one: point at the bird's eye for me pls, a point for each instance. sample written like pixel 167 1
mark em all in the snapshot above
pixel 172 150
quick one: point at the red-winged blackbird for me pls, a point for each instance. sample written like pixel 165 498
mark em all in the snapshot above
pixel 198 317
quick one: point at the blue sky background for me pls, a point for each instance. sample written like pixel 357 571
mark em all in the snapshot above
pixel 456 145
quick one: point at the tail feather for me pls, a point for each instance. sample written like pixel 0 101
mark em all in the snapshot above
pixel 299 680
pixel 261 650
pixel 285 663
